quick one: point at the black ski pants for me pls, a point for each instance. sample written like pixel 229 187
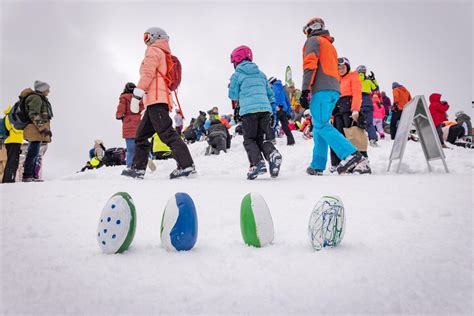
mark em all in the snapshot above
pixel 394 123
pixel 13 159
pixel 257 136
pixel 157 119
pixel 283 118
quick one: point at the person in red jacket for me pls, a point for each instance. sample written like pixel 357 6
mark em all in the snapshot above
pixel 438 111
pixel 130 120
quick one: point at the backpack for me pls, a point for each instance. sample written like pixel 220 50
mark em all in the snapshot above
pixel 18 116
pixel 173 73
pixel 114 156
pixel 3 130
pixel 172 78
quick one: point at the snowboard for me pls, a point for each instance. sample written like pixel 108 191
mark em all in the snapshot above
pixel 288 76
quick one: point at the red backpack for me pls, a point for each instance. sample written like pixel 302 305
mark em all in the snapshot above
pixel 172 78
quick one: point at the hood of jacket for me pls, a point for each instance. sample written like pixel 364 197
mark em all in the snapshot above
pixel 26 92
pixel 248 68
pixel 323 33
pixel 435 97
pixel 162 44
pixel 277 84
pixel 463 117
pixel 7 110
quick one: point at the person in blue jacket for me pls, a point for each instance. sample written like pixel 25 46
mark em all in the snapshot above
pixel 283 109
pixel 249 88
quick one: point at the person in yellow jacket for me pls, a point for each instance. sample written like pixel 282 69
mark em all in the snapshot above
pixel 13 145
pixel 369 85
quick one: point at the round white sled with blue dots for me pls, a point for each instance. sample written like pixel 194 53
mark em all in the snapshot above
pixel 117 224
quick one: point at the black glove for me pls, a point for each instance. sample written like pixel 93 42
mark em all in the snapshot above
pixel 304 99
pixel 46 133
pixel 371 76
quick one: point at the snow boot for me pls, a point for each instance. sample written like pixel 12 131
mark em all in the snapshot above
pixel 256 170
pixel 182 172
pixel 133 173
pixel 349 163
pixel 314 172
pixel 274 161
pixel 373 143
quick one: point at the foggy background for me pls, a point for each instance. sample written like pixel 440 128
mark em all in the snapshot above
pixel 88 50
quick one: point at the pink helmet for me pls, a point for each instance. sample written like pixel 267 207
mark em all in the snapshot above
pixel 241 53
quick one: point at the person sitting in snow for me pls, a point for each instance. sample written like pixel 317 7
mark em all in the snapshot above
pixel 453 134
pixel 96 156
pixel 218 138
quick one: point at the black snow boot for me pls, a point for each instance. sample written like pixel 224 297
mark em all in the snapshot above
pixel 133 173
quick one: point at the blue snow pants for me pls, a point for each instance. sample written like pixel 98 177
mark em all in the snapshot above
pixel 367 110
pixel 324 134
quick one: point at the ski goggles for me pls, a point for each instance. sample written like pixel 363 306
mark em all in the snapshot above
pixel 146 37
pixel 342 61
pixel 316 26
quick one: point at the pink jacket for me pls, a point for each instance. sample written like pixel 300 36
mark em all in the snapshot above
pixel 151 80
pixel 379 110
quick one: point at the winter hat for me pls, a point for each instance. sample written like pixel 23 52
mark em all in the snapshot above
pixel 41 86
pixel 395 85
pixel 153 34
pixel 384 94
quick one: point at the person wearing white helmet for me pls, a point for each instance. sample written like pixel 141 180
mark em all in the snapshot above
pixel 153 89
pixel 320 93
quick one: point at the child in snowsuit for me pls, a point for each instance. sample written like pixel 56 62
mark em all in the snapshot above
pixel 379 115
pixel 249 86
pixel 438 111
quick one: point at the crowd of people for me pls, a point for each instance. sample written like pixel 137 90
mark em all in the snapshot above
pixel 339 109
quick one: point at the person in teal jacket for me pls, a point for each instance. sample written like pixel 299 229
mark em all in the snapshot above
pixel 249 88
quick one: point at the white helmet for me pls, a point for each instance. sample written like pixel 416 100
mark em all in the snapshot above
pixel 153 34
pixel 307 112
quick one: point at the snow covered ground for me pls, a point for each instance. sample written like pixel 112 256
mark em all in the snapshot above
pixel 407 246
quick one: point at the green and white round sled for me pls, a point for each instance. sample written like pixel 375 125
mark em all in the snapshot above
pixel 117 224
pixel 256 222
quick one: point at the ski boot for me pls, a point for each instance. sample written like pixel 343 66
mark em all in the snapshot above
pixel 274 162
pixel 362 167
pixel 256 170
pixel 314 172
pixel 349 163
pixel 133 173
pixel 182 172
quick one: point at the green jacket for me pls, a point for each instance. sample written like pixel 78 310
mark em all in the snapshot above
pixel 367 85
pixel 38 108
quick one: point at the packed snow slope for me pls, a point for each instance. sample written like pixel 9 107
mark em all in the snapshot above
pixel 407 246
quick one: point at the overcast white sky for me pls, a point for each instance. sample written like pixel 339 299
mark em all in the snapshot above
pixel 88 50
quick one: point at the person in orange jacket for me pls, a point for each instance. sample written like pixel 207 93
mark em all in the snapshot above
pixel 153 89
pixel 348 106
pixel 401 96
